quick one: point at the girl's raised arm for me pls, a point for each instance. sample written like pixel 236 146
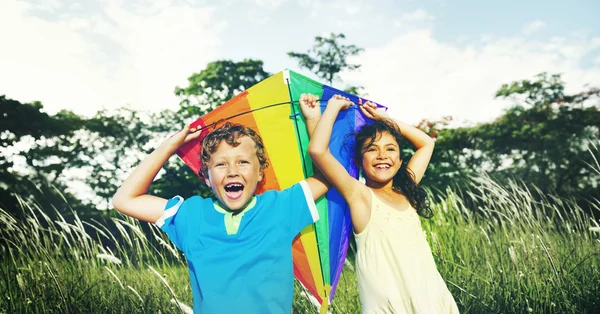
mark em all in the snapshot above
pixel 355 193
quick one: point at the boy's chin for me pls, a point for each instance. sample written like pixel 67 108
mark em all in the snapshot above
pixel 235 205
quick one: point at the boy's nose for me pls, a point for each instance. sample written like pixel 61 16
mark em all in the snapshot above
pixel 232 171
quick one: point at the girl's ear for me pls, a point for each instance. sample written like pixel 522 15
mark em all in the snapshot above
pixel 207 181
pixel 261 174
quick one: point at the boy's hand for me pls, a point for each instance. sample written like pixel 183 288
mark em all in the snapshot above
pixel 182 137
pixel 338 100
pixel 309 104
pixel 371 111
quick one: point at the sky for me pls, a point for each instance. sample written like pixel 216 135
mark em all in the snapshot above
pixel 422 59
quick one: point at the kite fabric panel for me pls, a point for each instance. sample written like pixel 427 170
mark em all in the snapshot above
pixel 271 108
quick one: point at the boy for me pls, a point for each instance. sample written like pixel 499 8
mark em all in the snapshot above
pixel 238 247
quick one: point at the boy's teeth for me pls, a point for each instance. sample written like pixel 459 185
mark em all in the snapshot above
pixel 234 187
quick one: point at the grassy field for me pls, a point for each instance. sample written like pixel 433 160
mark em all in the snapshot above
pixel 499 250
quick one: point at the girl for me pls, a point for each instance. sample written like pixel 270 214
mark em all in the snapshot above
pixel 395 268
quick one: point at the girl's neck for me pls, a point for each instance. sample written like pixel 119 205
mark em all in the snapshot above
pixel 387 187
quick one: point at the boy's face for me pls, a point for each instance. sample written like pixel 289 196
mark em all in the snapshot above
pixel 234 173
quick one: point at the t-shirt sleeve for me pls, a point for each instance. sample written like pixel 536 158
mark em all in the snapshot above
pixel 301 208
pixel 175 221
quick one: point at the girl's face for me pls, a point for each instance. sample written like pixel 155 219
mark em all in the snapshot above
pixel 381 160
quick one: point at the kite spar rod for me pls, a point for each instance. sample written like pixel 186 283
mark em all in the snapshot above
pixel 253 110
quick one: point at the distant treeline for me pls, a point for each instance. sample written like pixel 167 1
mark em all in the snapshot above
pixel 548 139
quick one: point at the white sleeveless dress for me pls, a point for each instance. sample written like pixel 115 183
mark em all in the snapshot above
pixel 394 265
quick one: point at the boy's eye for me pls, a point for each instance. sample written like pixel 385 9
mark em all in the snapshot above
pixel 244 162
pixel 219 164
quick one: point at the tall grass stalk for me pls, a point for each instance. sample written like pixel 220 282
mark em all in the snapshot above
pixel 502 248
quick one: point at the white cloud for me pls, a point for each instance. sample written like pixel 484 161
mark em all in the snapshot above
pixel 533 27
pixel 418 77
pixel 351 8
pixel 269 3
pixel 257 16
pixel 597 60
pixel 343 13
pixel 418 15
pixel 67 64
pixel 415 17
pixel 148 7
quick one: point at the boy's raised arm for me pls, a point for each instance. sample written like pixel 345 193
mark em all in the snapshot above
pixel 131 198
pixel 311 110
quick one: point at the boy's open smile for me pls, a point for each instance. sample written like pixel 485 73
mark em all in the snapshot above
pixel 234 190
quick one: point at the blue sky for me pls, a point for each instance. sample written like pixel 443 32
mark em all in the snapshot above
pixel 423 59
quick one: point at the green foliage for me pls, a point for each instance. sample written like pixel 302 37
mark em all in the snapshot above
pixel 518 254
pixel 52 145
pixel 27 120
pixel 219 82
pixel 327 58
pixel 544 140
pixel 103 150
pixel 115 141
pixel 355 90
pixel 504 248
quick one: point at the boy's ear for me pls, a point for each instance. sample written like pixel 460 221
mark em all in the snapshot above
pixel 260 175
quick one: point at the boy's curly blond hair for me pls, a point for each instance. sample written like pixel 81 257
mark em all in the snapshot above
pixel 230 133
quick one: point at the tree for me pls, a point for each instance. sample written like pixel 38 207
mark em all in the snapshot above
pixel 543 139
pixel 115 141
pixel 547 135
pixel 327 58
pixel 45 145
pixel 219 82
pixel 105 148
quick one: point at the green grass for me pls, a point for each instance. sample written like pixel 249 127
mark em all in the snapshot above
pixel 499 249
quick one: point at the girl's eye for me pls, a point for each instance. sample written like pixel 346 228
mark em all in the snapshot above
pixel 244 162
pixel 220 164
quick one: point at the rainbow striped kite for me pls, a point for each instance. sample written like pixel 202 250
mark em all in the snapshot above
pixel 271 108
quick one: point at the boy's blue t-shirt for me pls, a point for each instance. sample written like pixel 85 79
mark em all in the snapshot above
pixel 250 271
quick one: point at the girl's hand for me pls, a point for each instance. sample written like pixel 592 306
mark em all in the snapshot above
pixel 182 137
pixel 371 111
pixel 338 100
pixel 309 104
